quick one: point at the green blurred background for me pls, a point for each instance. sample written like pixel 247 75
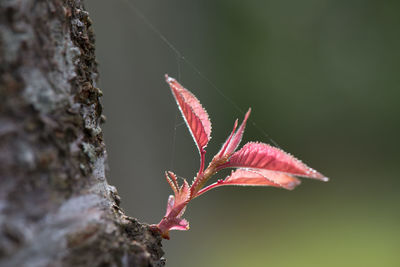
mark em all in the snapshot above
pixel 322 77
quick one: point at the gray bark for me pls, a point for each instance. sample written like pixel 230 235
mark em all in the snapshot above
pixel 56 207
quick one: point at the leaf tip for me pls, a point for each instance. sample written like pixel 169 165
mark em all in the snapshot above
pixel 248 113
pixel 168 79
pixel 325 179
pixel 316 175
pixel 292 185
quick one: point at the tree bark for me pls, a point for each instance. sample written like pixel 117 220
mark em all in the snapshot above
pixel 56 207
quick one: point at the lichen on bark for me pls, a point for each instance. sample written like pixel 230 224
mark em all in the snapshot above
pixel 56 207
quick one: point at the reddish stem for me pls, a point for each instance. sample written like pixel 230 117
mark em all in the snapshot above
pixel 209 187
pixel 202 161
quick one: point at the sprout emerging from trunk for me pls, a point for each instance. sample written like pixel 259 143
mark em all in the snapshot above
pixel 255 164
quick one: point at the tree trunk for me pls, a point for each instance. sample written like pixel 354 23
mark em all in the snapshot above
pixel 56 207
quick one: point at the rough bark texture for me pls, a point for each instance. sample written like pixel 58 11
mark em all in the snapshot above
pixel 56 208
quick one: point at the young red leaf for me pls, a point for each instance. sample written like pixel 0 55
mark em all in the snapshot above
pixel 255 177
pixel 195 116
pixel 233 140
pixel 171 179
pixel 170 204
pixel 179 224
pixel 183 196
pixel 263 156
pixel 228 140
pixel 175 207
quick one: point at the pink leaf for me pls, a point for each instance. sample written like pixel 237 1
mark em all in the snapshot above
pixel 228 140
pixel 175 207
pixel 170 204
pixel 180 224
pixel 168 224
pixel 171 179
pixel 263 156
pixel 233 140
pixel 176 204
pixel 184 195
pixel 255 177
pixel 195 116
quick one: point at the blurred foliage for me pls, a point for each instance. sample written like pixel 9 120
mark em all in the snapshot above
pixel 322 77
